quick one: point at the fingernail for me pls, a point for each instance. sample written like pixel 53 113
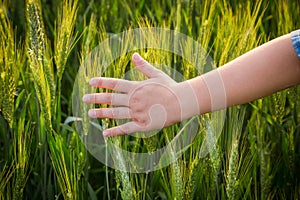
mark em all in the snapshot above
pixel 94 81
pixel 86 98
pixel 92 113
pixel 136 57
pixel 105 133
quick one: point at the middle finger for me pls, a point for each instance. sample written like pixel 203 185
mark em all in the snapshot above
pixel 114 99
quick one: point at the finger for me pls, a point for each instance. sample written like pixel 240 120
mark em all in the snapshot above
pixel 106 98
pixel 123 129
pixel 112 113
pixel 143 66
pixel 119 85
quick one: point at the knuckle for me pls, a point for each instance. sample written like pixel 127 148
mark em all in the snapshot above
pixel 107 98
pixel 93 98
pixel 137 108
pixel 104 113
pixel 143 123
pixel 111 84
pixel 99 81
pixel 125 129
pixel 114 132
pixel 100 113
pixel 135 101
pixel 115 113
pixel 90 98
pixel 141 119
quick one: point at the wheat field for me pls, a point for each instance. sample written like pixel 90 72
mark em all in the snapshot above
pixel 43 44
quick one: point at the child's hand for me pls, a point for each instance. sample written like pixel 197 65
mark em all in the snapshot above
pixel 152 104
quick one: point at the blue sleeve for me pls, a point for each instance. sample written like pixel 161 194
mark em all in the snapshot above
pixel 296 41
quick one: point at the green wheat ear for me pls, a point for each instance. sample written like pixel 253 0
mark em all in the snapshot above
pixel 40 61
pixel 64 40
pixel 10 59
pixel 231 179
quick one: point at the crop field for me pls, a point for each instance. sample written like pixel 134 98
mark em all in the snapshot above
pixel 249 151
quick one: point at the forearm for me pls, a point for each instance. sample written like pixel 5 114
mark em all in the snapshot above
pixel 264 70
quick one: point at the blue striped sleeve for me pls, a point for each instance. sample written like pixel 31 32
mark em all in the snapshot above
pixel 296 41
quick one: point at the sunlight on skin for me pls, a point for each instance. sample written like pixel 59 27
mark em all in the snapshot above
pixel 264 70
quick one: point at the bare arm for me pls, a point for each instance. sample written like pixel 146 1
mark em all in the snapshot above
pixel 262 71
pixel 160 101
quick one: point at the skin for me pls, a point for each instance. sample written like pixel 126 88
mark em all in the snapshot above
pixel 260 72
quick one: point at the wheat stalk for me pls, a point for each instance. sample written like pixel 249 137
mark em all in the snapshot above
pixel 123 177
pixel 5 176
pixel 68 164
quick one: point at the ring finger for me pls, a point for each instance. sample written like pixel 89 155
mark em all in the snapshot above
pixel 114 99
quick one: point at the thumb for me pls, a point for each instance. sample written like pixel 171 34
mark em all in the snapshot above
pixel 143 66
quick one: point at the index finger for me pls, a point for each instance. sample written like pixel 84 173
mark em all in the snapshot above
pixel 119 85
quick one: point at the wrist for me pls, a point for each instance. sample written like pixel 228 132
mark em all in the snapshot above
pixel 193 99
pixel 201 94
